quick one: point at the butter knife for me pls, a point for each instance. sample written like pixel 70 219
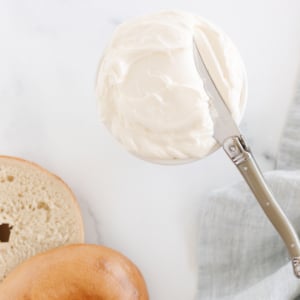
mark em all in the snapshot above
pixel 228 135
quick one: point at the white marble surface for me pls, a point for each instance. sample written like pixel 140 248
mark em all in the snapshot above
pixel 49 51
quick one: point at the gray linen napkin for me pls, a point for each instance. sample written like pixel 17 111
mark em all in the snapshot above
pixel 289 149
pixel 241 256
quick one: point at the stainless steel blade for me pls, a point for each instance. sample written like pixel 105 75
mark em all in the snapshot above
pixel 224 125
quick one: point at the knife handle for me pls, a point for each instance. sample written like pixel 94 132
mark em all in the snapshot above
pixel 238 151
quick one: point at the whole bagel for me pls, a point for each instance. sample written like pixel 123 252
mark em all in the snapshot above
pixel 77 272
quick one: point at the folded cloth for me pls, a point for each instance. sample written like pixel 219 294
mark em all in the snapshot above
pixel 241 256
pixel 289 149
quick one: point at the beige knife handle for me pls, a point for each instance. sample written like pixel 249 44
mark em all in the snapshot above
pixel 240 154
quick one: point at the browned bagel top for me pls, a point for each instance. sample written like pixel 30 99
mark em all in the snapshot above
pixel 76 272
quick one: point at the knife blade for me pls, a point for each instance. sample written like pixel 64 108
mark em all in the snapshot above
pixel 224 125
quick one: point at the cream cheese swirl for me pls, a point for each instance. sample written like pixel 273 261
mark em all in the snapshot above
pixel 150 95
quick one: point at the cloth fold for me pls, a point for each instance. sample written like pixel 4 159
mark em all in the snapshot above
pixel 289 148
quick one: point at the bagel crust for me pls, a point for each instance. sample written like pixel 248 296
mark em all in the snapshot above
pixel 77 272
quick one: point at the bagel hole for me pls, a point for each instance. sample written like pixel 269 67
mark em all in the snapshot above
pixel 5 231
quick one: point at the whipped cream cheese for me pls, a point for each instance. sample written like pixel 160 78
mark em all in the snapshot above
pixel 150 95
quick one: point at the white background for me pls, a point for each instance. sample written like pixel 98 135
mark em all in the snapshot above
pixel 49 52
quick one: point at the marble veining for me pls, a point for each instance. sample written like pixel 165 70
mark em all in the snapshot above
pixel 96 238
